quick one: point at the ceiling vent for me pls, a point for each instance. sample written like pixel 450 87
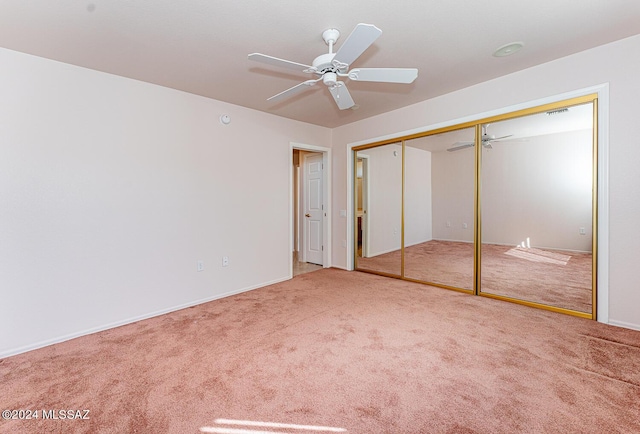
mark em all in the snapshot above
pixel 555 112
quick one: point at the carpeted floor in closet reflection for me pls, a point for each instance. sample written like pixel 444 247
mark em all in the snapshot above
pixel 553 277
pixel 336 351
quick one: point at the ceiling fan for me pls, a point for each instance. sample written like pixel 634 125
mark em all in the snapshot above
pixel 487 140
pixel 330 66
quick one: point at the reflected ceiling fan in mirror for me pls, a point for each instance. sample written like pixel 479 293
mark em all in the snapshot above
pixel 487 140
pixel 330 66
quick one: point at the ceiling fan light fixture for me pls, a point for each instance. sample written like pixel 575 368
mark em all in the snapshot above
pixel 508 49
pixel 330 78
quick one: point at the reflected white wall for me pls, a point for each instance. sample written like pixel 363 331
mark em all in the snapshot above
pixel 539 189
pixel 418 220
pixel 453 195
pixel 385 198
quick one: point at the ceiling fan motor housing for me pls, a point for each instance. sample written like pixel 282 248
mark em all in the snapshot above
pixel 323 63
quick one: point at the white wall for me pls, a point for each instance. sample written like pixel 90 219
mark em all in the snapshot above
pixel 385 198
pixel 418 201
pixel 539 190
pixel 613 64
pixel 453 195
pixel 112 189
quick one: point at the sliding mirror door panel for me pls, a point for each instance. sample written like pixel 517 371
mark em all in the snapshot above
pixel 439 209
pixel 537 208
pixel 378 204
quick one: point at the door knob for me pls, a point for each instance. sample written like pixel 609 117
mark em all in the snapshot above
pixel 307 215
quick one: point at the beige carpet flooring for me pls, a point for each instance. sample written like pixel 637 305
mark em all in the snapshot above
pixel 336 351
pixel 540 276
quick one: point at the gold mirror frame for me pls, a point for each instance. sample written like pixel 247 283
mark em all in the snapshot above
pixel 477 124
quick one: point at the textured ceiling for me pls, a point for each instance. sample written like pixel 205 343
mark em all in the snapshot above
pixel 201 46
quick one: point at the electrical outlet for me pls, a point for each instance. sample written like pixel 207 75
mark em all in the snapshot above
pixel 583 231
pixel 225 261
pixel 200 266
pixel 448 224
pixel 464 226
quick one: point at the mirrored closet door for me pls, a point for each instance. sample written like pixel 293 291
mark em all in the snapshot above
pixel 439 209
pixel 503 207
pixel 378 206
pixel 537 208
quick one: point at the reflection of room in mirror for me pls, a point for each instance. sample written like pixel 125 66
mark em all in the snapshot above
pixel 361 163
pixel 536 199
pixel 542 275
pixel 439 212
pixel 379 221
pixel 537 209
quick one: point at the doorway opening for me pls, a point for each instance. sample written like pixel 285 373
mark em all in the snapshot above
pixel 309 208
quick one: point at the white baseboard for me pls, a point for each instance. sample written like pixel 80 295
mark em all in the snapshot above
pixel 453 241
pixel 340 267
pixel 624 324
pixel 383 252
pixel 418 242
pixel 57 340
pixel 372 255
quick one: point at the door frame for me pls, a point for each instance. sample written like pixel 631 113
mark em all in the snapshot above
pixel 365 205
pixel 326 197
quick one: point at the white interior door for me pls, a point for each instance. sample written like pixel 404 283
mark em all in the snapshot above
pixel 313 208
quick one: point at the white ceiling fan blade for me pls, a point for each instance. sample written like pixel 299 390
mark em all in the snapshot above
pixel 500 138
pixel 359 40
pixel 293 90
pixel 341 96
pixel 387 75
pixel 274 61
pixel 460 145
